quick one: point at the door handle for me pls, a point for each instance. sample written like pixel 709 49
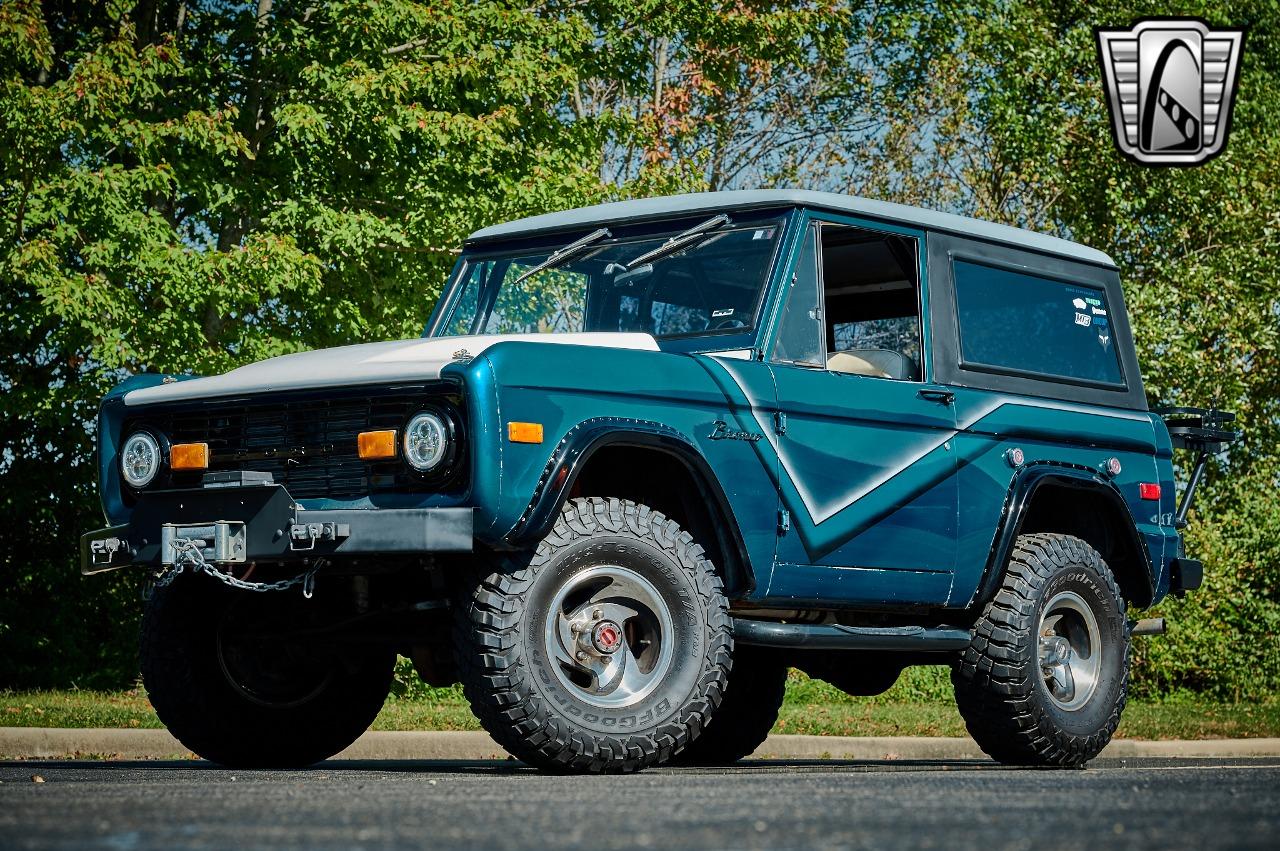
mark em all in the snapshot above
pixel 945 397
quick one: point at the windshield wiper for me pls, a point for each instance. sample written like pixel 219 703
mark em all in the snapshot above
pixel 562 254
pixel 692 236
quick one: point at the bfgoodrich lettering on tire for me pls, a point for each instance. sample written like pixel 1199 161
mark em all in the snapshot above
pixel 1044 680
pixel 607 651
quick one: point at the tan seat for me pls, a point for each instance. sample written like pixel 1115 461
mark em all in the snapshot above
pixel 877 363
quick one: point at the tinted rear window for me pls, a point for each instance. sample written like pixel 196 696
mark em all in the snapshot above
pixel 1021 323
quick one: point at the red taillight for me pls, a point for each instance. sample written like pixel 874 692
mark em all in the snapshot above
pixel 1147 490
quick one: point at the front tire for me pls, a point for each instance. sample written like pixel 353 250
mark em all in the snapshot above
pixel 250 702
pixel 606 652
pixel 757 686
pixel 1044 679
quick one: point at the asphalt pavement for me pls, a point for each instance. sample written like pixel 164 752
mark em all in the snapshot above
pixel 1158 803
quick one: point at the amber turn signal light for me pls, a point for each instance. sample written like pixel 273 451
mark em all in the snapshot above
pixel 524 432
pixel 377 444
pixel 189 456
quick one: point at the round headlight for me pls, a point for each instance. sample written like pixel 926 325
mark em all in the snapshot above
pixel 426 439
pixel 139 459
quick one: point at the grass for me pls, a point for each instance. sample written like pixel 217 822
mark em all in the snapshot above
pixel 917 706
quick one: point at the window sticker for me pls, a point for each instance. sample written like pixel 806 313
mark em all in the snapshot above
pixel 1079 303
pixel 724 311
pixel 1083 319
pixel 763 233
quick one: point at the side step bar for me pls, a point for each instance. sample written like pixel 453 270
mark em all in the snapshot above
pixel 838 637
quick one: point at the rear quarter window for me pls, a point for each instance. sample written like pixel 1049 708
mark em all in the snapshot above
pixel 1022 324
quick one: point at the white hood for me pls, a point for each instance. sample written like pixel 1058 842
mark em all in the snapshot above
pixel 369 363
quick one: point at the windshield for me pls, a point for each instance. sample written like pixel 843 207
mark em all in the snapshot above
pixel 713 285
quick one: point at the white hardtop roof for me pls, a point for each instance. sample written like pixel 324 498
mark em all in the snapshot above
pixel 675 205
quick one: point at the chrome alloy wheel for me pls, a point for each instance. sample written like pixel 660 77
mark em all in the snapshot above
pixel 609 634
pixel 1070 650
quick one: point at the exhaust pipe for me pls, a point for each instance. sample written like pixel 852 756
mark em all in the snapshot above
pixel 1147 626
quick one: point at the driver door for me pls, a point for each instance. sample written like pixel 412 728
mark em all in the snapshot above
pixel 867 465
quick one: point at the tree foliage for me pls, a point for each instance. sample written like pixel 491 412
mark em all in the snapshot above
pixel 187 185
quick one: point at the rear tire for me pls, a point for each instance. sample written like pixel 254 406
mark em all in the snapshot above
pixel 249 702
pixel 748 711
pixel 605 652
pixel 1044 679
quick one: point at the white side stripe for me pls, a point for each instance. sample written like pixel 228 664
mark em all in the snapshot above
pixel 822 510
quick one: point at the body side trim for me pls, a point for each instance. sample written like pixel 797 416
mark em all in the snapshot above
pixel 820 510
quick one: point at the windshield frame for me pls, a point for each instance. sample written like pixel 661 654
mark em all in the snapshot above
pixel 626 232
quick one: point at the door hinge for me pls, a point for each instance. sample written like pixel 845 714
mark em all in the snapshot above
pixel 780 423
pixel 784 522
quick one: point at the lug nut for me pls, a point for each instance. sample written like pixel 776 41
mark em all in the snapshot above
pixel 597 614
pixel 582 655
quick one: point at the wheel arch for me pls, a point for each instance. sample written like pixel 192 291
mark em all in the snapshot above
pixel 632 454
pixel 1074 501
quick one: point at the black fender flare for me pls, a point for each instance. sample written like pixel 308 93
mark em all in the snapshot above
pixel 590 436
pixel 1026 481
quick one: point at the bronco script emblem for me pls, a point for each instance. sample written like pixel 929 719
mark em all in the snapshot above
pixel 1170 84
pixel 720 431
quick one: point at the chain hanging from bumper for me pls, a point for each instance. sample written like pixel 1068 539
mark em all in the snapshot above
pixel 189 553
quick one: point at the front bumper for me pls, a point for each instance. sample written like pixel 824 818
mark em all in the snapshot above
pixel 264 523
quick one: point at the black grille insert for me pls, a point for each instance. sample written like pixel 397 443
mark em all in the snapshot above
pixel 307 444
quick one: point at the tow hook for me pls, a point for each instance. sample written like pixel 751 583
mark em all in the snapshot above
pixel 103 550
pixel 1147 626
pixel 303 536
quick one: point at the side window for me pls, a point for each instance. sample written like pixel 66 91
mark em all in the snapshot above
pixel 799 332
pixel 871 303
pixel 1022 323
pixel 855 301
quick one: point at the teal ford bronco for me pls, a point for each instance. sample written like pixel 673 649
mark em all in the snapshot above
pixel 645 457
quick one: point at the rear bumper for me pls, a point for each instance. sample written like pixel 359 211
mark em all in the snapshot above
pixel 263 523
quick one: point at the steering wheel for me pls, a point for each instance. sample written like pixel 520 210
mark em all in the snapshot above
pixel 728 323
